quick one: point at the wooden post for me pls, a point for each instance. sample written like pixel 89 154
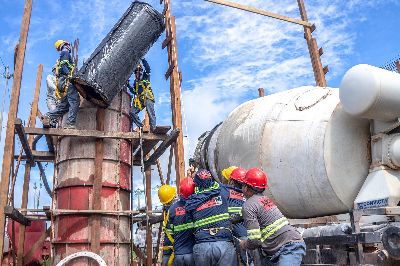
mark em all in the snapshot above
pixel 27 174
pixel 319 73
pixel 149 239
pixel 8 155
pixel 261 92
pixel 175 88
pixel 97 183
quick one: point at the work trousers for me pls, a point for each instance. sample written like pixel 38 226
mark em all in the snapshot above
pixel 134 113
pixel 218 253
pixel 184 260
pixel 290 254
pixel 165 259
pixel 70 103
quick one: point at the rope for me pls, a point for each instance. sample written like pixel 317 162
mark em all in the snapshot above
pixel 6 92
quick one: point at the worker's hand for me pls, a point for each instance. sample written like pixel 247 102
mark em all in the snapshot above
pixel 242 244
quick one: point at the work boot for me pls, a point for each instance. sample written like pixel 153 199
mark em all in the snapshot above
pixel 68 126
pixel 48 122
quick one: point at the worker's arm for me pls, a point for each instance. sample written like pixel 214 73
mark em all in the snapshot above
pixel 253 228
pixel 147 70
pixel 64 58
pixel 130 88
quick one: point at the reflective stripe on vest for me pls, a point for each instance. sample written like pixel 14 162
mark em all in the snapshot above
pixel 272 228
pixel 181 227
pixel 214 186
pixel 235 210
pixel 211 219
pixel 254 233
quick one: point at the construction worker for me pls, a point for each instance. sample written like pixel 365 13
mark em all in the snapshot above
pixel 180 226
pixel 143 96
pixel 208 209
pixel 65 91
pixel 51 99
pixel 267 228
pixel 166 194
pixel 235 175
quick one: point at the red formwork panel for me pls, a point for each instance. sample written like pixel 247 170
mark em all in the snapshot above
pixel 32 235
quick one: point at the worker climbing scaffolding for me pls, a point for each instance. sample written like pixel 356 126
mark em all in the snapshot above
pixel 143 96
pixel 65 91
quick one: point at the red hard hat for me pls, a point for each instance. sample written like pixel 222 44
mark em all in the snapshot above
pixel 238 174
pixel 256 178
pixel 186 187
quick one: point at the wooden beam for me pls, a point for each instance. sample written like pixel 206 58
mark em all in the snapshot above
pixel 91 133
pixel 175 88
pixel 27 174
pixel 39 156
pixel 19 129
pixel 313 49
pixel 15 215
pixel 163 146
pixel 97 187
pixel 169 71
pixel 261 12
pixel 8 155
pixel 166 42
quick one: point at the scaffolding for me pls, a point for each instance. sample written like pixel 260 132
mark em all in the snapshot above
pixel 146 150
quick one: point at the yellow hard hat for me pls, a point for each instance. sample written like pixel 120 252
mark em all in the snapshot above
pixel 166 193
pixel 228 171
pixel 59 43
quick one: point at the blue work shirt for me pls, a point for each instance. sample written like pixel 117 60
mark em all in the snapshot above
pixel 213 213
pixel 64 68
pixel 181 228
pixel 167 242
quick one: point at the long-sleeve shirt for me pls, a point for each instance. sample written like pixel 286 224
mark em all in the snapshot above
pixel 236 200
pixel 266 225
pixel 212 215
pixel 180 226
pixel 65 56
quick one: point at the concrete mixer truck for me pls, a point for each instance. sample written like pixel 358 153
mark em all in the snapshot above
pixel 333 162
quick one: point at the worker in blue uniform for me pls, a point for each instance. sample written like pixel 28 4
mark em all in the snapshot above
pixel 143 96
pixel 65 92
pixel 208 208
pixel 180 226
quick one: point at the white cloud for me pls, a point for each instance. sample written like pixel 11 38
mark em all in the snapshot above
pixel 236 52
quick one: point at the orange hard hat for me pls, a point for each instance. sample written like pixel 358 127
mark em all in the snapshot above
pixel 186 187
pixel 255 178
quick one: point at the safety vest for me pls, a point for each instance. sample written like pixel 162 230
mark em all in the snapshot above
pixel 71 68
pixel 146 93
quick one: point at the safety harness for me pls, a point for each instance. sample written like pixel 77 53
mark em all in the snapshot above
pixel 63 93
pixel 147 93
pixel 268 231
pixel 168 233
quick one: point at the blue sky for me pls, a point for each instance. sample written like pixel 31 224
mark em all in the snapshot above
pixel 225 54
